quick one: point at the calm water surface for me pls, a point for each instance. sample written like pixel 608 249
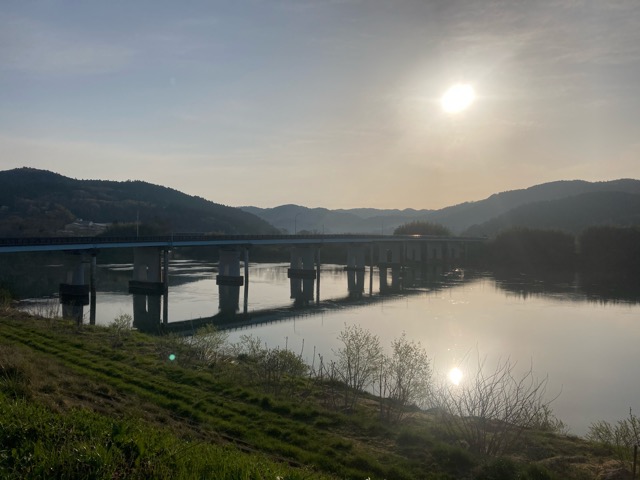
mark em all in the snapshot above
pixel 589 348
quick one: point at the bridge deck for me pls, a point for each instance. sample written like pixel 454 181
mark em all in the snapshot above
pixel 50 244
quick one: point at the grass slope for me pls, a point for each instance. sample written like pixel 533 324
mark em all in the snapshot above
pixel 100 403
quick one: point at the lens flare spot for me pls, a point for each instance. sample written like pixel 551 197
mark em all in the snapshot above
pixel 455 376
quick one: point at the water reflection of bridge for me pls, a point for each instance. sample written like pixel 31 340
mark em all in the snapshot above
pixel 410 282
pixel 391 255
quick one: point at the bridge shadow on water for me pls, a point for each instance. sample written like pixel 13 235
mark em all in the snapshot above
pixel 148 318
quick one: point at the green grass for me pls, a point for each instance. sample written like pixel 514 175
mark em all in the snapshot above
pixel 39 443
pixel 76 404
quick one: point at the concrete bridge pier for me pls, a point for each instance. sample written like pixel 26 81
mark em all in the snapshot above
pixel 436 252
pixel 92 289
pixel 390 257
pixel 246 280
pixel 356 265
pixel 355 283
pixel 74 292
pixel 302 274
pixel 151 275
pixel 147 271
pixel 414 252
pixel 229 280
pixel 229 268
pixel 147 311
pixel 455 252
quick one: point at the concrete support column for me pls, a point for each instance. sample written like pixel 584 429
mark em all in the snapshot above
pixel 390 253
pixel 356 265
pixel 371 270
pixel 390 256
pixel 147 311
pixel 302 274
pixel 92 289
pixel 229 268
pixel 147 271
pixel 435 251
pixel 317 275
pixel 246 280
pixel 165 286
pixel 229 281
pixel 384 285
pixel 74 293
pixel 356 257
pixel 146 264
pixel 413 252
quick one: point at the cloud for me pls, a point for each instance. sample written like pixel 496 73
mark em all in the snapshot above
pixel 31 46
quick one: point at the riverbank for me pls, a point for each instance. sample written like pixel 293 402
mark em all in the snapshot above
pixel 114 403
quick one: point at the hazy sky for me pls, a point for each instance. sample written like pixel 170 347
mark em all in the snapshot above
pixel 332 103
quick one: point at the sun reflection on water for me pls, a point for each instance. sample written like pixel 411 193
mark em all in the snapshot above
pixel 455 376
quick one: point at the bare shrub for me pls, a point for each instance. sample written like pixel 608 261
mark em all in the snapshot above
pixel 546 421
pixel 275 369
pixel 491 410
pixel 120 328
pixel 327 379
pixel 357 362
pixel 404 378
pixel 208 345
pixel 620 438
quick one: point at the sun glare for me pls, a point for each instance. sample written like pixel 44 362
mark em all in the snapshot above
pixel 458 98
pixel 455 376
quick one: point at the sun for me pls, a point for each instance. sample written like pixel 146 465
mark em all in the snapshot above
pixel 455 376
pixel 457 98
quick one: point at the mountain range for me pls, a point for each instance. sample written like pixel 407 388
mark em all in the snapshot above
pixel 38 203
pixel 570 205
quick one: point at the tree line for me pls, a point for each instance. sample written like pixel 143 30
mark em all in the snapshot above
pixel 603 249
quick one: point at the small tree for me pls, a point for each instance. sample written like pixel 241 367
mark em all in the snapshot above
pixel 208 345
pixel 404 378
pixel 275 369
pixel 357 361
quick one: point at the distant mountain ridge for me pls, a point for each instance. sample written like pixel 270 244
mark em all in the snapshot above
pixel 38 202
pixel 479 217
pixel 571 214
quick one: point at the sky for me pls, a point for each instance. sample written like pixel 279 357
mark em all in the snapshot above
pixel 328 103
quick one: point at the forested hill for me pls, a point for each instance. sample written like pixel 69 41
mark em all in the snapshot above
pixel 571 214
pixel 40 203
pixel 461 217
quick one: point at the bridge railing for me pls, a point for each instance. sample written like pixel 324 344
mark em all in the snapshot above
pixel 212 239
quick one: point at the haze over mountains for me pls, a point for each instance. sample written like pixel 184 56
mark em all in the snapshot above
pixel 37 203
pixel 565 205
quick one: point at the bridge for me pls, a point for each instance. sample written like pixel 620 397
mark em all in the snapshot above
pixel 151 263
pixel 50 244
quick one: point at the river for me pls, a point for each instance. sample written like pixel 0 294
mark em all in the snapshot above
pixel 588 345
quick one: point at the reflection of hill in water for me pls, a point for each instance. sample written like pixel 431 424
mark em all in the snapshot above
pixel 598 287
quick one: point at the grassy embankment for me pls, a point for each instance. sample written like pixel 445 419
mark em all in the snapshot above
pixel 103 403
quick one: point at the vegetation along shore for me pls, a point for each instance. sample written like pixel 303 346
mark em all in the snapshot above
pixel 96 402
